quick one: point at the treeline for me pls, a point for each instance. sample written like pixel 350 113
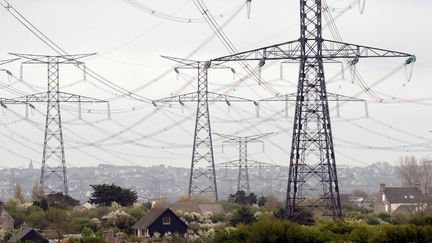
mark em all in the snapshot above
pixel 273 230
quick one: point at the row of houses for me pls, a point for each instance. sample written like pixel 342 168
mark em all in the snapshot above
pixel 162 218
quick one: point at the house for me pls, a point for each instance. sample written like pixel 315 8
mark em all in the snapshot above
pixel 30 235
pixel 160 220
pixel 6 221
pixel 399 200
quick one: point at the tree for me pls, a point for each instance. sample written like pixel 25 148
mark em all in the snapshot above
pixel 413 172
pixel 18 193
pixel 59 221
pixel 409 170
pixel 240 197
pixel 251 198
pixel 262 201
pixel 426 168
pixel 37 192
pixel 60 200
pixel 105 195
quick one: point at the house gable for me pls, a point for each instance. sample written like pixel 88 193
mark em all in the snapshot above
pixel 161 221
pixel 168 222
pixel 29 234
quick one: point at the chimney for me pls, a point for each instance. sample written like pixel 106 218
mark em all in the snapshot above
pixel 382 187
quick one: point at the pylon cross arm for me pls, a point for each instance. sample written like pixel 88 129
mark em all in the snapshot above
pixel 45 59
pixel 329 97
pixel 6 101
pixel 259 164
pixel 336 49
pixel 282 51
pixel 194 97
pixel 63 97
pixel 292 50
pixel 228 164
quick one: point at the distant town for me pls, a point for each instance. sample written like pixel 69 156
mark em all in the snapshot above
pixel 172 182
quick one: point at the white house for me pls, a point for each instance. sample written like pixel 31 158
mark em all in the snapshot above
pixel 399 200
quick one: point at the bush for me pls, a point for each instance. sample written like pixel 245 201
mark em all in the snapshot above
pixel 243 215
pixel 399 219
pixel 424 220
pixel 371 219
pixel 361 234
pixel 79 223
pixel 271 230
pixel 38 220
pixel 231 235
pixel 92 240
pixel 218 217
pixel 385 217
pixel 136 213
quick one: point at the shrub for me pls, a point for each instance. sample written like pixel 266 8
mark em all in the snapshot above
pixel 231 235
pixel 243 215
pixel 92 240
pixel 136 213
pixel 218 217
pixel 361 234
pixel 270 230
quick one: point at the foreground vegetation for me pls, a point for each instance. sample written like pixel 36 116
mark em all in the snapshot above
pixel 248 218
pixel 273 230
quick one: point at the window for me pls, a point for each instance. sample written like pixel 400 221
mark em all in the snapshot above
pixel 386 208
pixel 166 220
pixel 383 197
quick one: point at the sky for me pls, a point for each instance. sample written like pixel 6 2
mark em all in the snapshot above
pixel 129 43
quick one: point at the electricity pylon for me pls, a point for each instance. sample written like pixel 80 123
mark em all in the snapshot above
pixel 53 171
pixel 312 181
pixel 250 164
pixel 243 163
pixel 202 175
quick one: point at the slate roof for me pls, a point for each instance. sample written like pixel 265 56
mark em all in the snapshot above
pixel 20 235
pixel 404 195
pixel 149 218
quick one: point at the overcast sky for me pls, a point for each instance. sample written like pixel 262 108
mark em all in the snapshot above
pixel 129 43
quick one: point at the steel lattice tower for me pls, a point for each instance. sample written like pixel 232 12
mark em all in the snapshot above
pixel 53 171
pixel 312 183
pixel 242 163
pixel 202 153
pixel 202 179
